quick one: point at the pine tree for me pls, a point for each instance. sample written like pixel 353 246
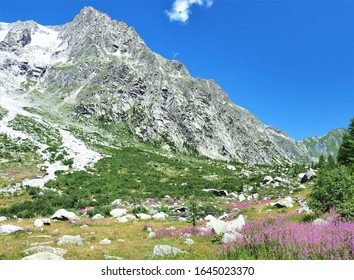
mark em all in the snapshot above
pixel 346 150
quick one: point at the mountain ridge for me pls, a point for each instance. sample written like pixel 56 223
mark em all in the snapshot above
pixel 99 68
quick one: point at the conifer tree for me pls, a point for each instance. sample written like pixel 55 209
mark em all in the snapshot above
pixel 346 150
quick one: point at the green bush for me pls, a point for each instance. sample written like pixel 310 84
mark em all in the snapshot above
pixel 334 189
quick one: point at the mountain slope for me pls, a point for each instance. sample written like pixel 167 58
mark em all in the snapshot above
pixel 100 69
pixel 326 145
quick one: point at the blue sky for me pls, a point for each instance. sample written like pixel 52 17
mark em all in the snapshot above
pixel 291 63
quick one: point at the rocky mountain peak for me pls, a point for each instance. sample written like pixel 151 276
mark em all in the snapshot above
pixel 90 15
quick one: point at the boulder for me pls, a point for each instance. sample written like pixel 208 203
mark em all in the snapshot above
pixel 151 235
pixel 129 217
pixel 189 241
pixel 105 241
pixel 231 167
pixel 3 219
pixel 64 215
pixel 241 197
pixel 231 237
pixel 8 229
pixel 117 202
pixel 235 225
pixel 48 249
pixel 118 212
pixel 41 222
pixel 160 216
pixel 309 175
pixel 221 227
pixel 71 240
pixel 182 219
pixel 122 220
pixel 165 251
pixel 43 256
pixel 267 179
pixel 319 222
pixel 217 192
pixel 278 179
pixel 284 203
pixel 143 216
pixel 98 217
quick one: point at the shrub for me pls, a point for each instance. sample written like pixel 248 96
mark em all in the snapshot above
pixel 334 189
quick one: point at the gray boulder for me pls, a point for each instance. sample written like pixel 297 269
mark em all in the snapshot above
pixel 105 241
pixel 43 256
pixel 309 175
pixel 165 251
pixel 231 237
pixel 319 222
pixel 70 240
pixel 64 215
pixel 267 179
pixel 189 241
pixel 48 249
pixel 8 229
pixel 118 212
pixel 3 219
pixel 284 203
pixel 98 217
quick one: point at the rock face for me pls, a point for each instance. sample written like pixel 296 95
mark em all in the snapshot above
pixel 103 70
pixel 327 145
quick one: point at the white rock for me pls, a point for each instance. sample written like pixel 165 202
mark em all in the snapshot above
pixel 182 219
pixel 151 235
pixel 38 249
pixel 143 216
pixel 63 214
pixel 38 223
pixel 41 222
pixel 255 195
pixel 231 167
pixel 165 250
pixel 117 202
pixel 286 202
pixel 231 237
pixel 267 179
pixel 98 217
pixel 71 240
pixel 122 220
pixel 8 229
pixel 220 227
pixel 235 225
pixel 3 219
pixel 160 216
pixel 118 212
pixel 43 256
pixel 319 222
pixel 130 217
pixel 189 241
pixel 105 241
pixel 241 197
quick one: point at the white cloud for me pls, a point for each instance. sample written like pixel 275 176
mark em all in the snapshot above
pixel 181 9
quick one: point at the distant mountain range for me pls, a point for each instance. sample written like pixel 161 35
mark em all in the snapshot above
pixel 96 68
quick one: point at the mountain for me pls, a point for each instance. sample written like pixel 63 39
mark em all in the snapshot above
pixel 326 145
pixel 96 69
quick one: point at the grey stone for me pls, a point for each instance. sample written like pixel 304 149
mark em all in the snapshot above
pixel 70 240
pixel 43 256
pixel 38 249
pixel 105 241
pixel 166 251
pixel 118 212
pixel 98 217
pixel 64 215
pixel 189 241
pixel 8 229
pixel 309 175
